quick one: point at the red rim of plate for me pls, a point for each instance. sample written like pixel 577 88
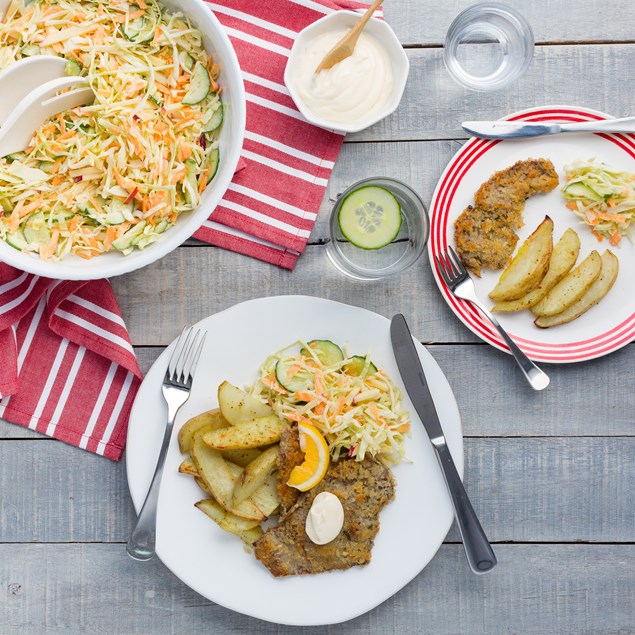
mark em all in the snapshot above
pixel 463 160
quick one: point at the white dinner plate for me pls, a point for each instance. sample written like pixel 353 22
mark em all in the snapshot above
pixel 604 328
pixel 215 563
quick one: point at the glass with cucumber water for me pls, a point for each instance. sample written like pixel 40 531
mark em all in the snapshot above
pixel 378 227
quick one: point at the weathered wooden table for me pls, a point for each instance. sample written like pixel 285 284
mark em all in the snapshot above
pixel 552 475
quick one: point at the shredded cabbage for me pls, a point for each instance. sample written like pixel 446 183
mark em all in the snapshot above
pixel 602 197
pixel 357 414
pixel 118 173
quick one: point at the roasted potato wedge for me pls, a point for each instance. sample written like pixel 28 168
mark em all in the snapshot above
pixel 237 406
pixel 219 480
pixel 242 457
pixel 601 286
pixel 266 496
pixel 563 257
pixel 212 419
pixel 226 520
pixel 570 289
pixel 249 434
pixel 255 474
pixel 251 535
pixel 201 483
pixel 187 467
pixel 528 267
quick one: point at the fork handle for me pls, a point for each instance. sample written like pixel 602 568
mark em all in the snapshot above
pixel 142 542
pixel 536 377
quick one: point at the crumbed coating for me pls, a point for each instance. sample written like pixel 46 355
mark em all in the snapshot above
pixel 289 455
pixel 484 239
pixel 485 234
pixel 363 489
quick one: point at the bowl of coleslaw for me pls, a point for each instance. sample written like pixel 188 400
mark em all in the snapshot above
pixel 108 188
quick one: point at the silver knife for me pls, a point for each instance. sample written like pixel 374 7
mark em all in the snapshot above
pixel 520 129
pixel 479 552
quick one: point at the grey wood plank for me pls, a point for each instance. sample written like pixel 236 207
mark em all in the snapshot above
pixel 418 23
pixel 525 490
pixel 535 590
pixel 433 105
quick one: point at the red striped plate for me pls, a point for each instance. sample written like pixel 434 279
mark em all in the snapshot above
pixel 604 328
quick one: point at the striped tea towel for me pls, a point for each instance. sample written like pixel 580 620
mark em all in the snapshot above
pixel 271 205
pixel 67 368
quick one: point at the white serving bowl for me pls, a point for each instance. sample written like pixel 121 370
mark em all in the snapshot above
pixel 231 140
pixel 383 34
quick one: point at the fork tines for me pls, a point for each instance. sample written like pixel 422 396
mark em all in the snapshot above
pixel 450 267
pixel 185 356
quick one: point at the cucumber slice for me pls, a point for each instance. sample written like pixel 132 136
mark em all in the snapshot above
pixel 215 120
pixel 36 231
pixel 190 185
pixel 212 161
pixel 356 366
pixel 17 241
pixel 116 211
pixel 15 156
pixel 200 84
pixel 293 382
pixel 73 68
pixel 186 60
pixel 156 100
pixel 124 242
pixel 30 49
pixel 46 166
pixel 580 190
pixel 141 29
pixel 327 352
pixel 370 217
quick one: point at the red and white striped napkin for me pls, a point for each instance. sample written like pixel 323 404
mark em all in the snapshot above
pixel 271 205
pixel 67 368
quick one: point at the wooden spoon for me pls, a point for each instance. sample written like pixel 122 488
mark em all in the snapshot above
pixel 345 47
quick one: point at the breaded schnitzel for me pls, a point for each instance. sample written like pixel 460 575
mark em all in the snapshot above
pixel 289 455
pixel 363 489
pixel 485 234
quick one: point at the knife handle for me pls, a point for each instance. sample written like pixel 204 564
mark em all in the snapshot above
pixel 626 124
pixel 479 552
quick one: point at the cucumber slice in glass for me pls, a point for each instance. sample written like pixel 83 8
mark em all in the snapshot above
pixel 370 217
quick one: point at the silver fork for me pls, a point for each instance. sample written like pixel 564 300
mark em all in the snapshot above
pixel 176 387
pixel 459 282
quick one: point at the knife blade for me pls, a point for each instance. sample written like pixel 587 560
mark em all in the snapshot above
pixel 522 129
pixel 478 550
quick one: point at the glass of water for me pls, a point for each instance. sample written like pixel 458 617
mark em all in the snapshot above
pixel 401 252
pixel 488 46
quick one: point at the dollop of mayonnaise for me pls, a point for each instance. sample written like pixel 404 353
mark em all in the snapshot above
pixel 352 90
pixel 325 518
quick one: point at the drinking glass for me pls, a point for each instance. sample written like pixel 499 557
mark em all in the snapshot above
pixel 488 46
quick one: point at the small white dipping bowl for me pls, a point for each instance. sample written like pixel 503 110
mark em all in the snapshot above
pixel 383 34
pixel 114 263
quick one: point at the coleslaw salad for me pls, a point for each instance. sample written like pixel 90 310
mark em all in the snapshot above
pixel 354 405
pixel 114 175
pixel 602 197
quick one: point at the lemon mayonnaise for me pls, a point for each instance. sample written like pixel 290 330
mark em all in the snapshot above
pixel 325 518
pixel 350 91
